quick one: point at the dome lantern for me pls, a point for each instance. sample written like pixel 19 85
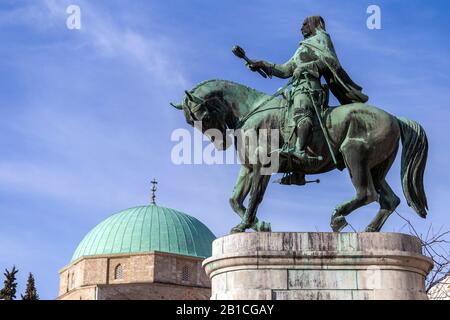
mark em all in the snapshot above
pixel 154 183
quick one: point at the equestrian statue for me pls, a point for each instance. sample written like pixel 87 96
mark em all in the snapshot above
pixel 315 138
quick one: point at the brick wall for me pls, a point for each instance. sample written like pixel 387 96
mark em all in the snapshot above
pixel 172 277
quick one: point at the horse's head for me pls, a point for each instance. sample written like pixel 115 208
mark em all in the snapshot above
pixel 207 113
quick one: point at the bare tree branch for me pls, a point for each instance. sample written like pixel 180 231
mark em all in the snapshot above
pixel 433 247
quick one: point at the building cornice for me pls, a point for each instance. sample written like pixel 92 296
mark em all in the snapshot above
pixel 123 255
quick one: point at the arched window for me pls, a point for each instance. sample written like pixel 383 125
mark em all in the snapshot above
pixel 185 274
pixel 118 272
pixel 72 281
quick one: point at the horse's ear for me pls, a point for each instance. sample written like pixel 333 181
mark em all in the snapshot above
pixel 177 106
pixel 193 97
pixel 189 95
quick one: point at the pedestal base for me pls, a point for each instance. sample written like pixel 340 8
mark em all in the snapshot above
pixel 317 266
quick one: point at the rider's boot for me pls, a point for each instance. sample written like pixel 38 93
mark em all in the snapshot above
pixel 299 151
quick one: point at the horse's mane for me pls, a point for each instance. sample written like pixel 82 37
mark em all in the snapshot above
pixel 201 84
pixel 249 98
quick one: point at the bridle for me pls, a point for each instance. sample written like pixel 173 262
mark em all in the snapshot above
pixel 201 103
pixel 240 122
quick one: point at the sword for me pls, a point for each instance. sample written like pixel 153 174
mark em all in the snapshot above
pixel 325 133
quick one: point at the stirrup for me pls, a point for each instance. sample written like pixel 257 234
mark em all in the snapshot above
pixel 299 154
pixel 284 149
pixel 302 155
pixel 292 178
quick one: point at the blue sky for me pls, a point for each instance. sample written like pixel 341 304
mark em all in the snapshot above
pixel 85 119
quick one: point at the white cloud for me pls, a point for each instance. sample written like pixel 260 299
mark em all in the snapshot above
pixel 157 54
pixel 80 146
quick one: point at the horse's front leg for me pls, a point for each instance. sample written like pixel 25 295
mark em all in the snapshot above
pixel 240 191
pixel 258 186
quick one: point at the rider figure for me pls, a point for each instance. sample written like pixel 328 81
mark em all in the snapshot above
pixel 314 58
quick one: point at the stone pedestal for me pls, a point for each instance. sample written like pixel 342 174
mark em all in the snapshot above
pixel 317 266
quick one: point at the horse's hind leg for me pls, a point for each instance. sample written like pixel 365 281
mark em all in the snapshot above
pixel 240 192
pixel 356 159
pixel 388 199
pixel 388 202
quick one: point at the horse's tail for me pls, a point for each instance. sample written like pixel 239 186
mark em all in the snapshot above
pixel 414 159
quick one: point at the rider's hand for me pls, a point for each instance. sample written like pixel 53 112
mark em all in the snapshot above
pixel 255 65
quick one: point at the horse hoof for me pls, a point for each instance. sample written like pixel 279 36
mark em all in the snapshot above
pixel 264 227
pixel 338 223
pixel 370 229
pixel 239 228
pixel 236 230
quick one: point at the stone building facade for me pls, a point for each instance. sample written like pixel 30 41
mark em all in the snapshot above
pixel 147 252
pixel 441 290
pixel 153 275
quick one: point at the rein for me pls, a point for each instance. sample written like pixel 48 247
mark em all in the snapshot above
pixel 257 109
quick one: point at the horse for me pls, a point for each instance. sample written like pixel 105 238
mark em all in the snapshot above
pixel 363 138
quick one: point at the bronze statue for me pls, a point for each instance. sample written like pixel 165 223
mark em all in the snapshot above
pixel 314 58
pixel 362 138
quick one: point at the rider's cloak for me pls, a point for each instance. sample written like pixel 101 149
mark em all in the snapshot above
pixel 339 82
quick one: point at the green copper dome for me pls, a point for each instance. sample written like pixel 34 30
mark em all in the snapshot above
pixel 147 228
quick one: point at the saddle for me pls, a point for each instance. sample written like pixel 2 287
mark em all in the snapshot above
pixel 288 127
